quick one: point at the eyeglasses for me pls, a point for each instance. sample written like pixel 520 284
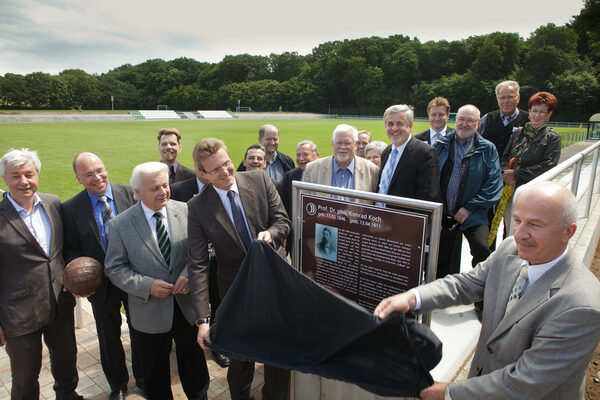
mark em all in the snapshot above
pixel 538 112
pixel 215 171
pixel 469 121
pixel 92 175
pixel 506 98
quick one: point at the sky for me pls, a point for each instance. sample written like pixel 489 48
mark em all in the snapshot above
pixel 100 35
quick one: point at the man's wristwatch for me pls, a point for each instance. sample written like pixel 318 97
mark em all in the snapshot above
pixel 202 321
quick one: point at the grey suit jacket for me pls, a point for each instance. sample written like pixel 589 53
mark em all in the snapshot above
pixel 542 348
pixel 133 261
pixel 28 277
pixel 365 174
pixel 209 221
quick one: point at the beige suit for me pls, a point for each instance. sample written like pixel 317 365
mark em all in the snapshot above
pixel 320 171
pixel 542 348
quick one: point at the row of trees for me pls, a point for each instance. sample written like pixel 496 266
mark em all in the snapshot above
pixel 361 76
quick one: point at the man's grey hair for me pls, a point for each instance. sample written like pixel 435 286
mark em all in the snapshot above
pixel 256 146
pixel 504 84
pixel 376 145
pixel 471 106
pixel 401 108
pixel 313 146
pixel 148 168
pixel 345 129
pixel 17 158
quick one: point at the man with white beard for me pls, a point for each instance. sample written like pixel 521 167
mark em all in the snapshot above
pixel 343 169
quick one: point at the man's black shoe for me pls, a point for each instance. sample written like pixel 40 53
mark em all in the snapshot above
pixel 221 360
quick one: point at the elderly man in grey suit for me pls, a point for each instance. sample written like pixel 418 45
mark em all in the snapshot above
pixel 147 257
pixel 542 307
pixel 343 169
pixel 32 303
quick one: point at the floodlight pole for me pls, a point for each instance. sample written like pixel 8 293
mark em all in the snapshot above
pixel 112 103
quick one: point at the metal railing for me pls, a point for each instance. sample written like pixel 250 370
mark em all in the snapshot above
pixel 576 162
pixel 573 137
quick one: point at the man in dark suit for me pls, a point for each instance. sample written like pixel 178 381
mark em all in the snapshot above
pixel 169 147
pixel 542 307
pixel 410 167
pixel 32 302
pixel 147 258
pixel 184 191
pixel 438 111
pixel 278 163
pixel 84 217
pixel 230 213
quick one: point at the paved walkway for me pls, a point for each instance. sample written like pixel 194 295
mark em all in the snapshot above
pixel 93 384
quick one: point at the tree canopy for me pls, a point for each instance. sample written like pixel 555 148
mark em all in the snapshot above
pixel 360 76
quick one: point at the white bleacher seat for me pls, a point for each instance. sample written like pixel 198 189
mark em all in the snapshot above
pixel 214 114
pixel 159 114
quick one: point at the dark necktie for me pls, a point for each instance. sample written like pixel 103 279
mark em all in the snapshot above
pixel 107 212
pixel 238 220
pixel 171 174
pixel 164 244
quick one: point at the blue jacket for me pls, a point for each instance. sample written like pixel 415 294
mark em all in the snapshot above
pixel 481 183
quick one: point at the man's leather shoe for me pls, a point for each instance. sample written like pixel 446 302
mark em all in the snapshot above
pixel 140 391
pixel 220 359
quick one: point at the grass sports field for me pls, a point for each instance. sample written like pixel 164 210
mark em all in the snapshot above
pixel 123 145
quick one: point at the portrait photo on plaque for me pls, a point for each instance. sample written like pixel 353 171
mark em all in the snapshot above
pixel 326 246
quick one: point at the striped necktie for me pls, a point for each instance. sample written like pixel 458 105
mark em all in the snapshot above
pixel 518 289
pixel 107 212
pixel 164 244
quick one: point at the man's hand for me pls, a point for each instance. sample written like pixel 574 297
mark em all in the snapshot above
pixel 461 215
pixel 182 285
pixel 161 289
pixel 2 337
pixel 203 335
pixel 434 392
pixel 403 302
pixel 264 235
pixel 508 176
pixel 83 296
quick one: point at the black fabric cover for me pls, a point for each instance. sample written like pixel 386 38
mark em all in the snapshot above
pixel 276 315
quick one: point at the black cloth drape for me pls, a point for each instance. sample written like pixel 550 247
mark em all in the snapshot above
pixel 276 315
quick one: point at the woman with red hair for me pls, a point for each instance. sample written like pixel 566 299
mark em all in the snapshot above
pixel 536 147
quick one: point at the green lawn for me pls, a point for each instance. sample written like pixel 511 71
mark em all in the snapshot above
pixel 123 145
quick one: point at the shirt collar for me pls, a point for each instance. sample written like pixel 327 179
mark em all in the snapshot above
pixel 442 132
pixel 336 166
pixel 37 200
pixel 511 116
pixel 95 198
pixel 403 145
pixel 534 272
pixel 148 213
pixel 223 193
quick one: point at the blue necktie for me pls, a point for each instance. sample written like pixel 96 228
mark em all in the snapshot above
pixel 238 220
pixel 387 173
pixel 107 212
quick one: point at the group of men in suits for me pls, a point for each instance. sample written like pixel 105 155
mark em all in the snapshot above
pixel 169 263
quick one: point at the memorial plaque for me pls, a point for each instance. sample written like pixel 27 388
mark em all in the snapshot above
pixel 364 253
